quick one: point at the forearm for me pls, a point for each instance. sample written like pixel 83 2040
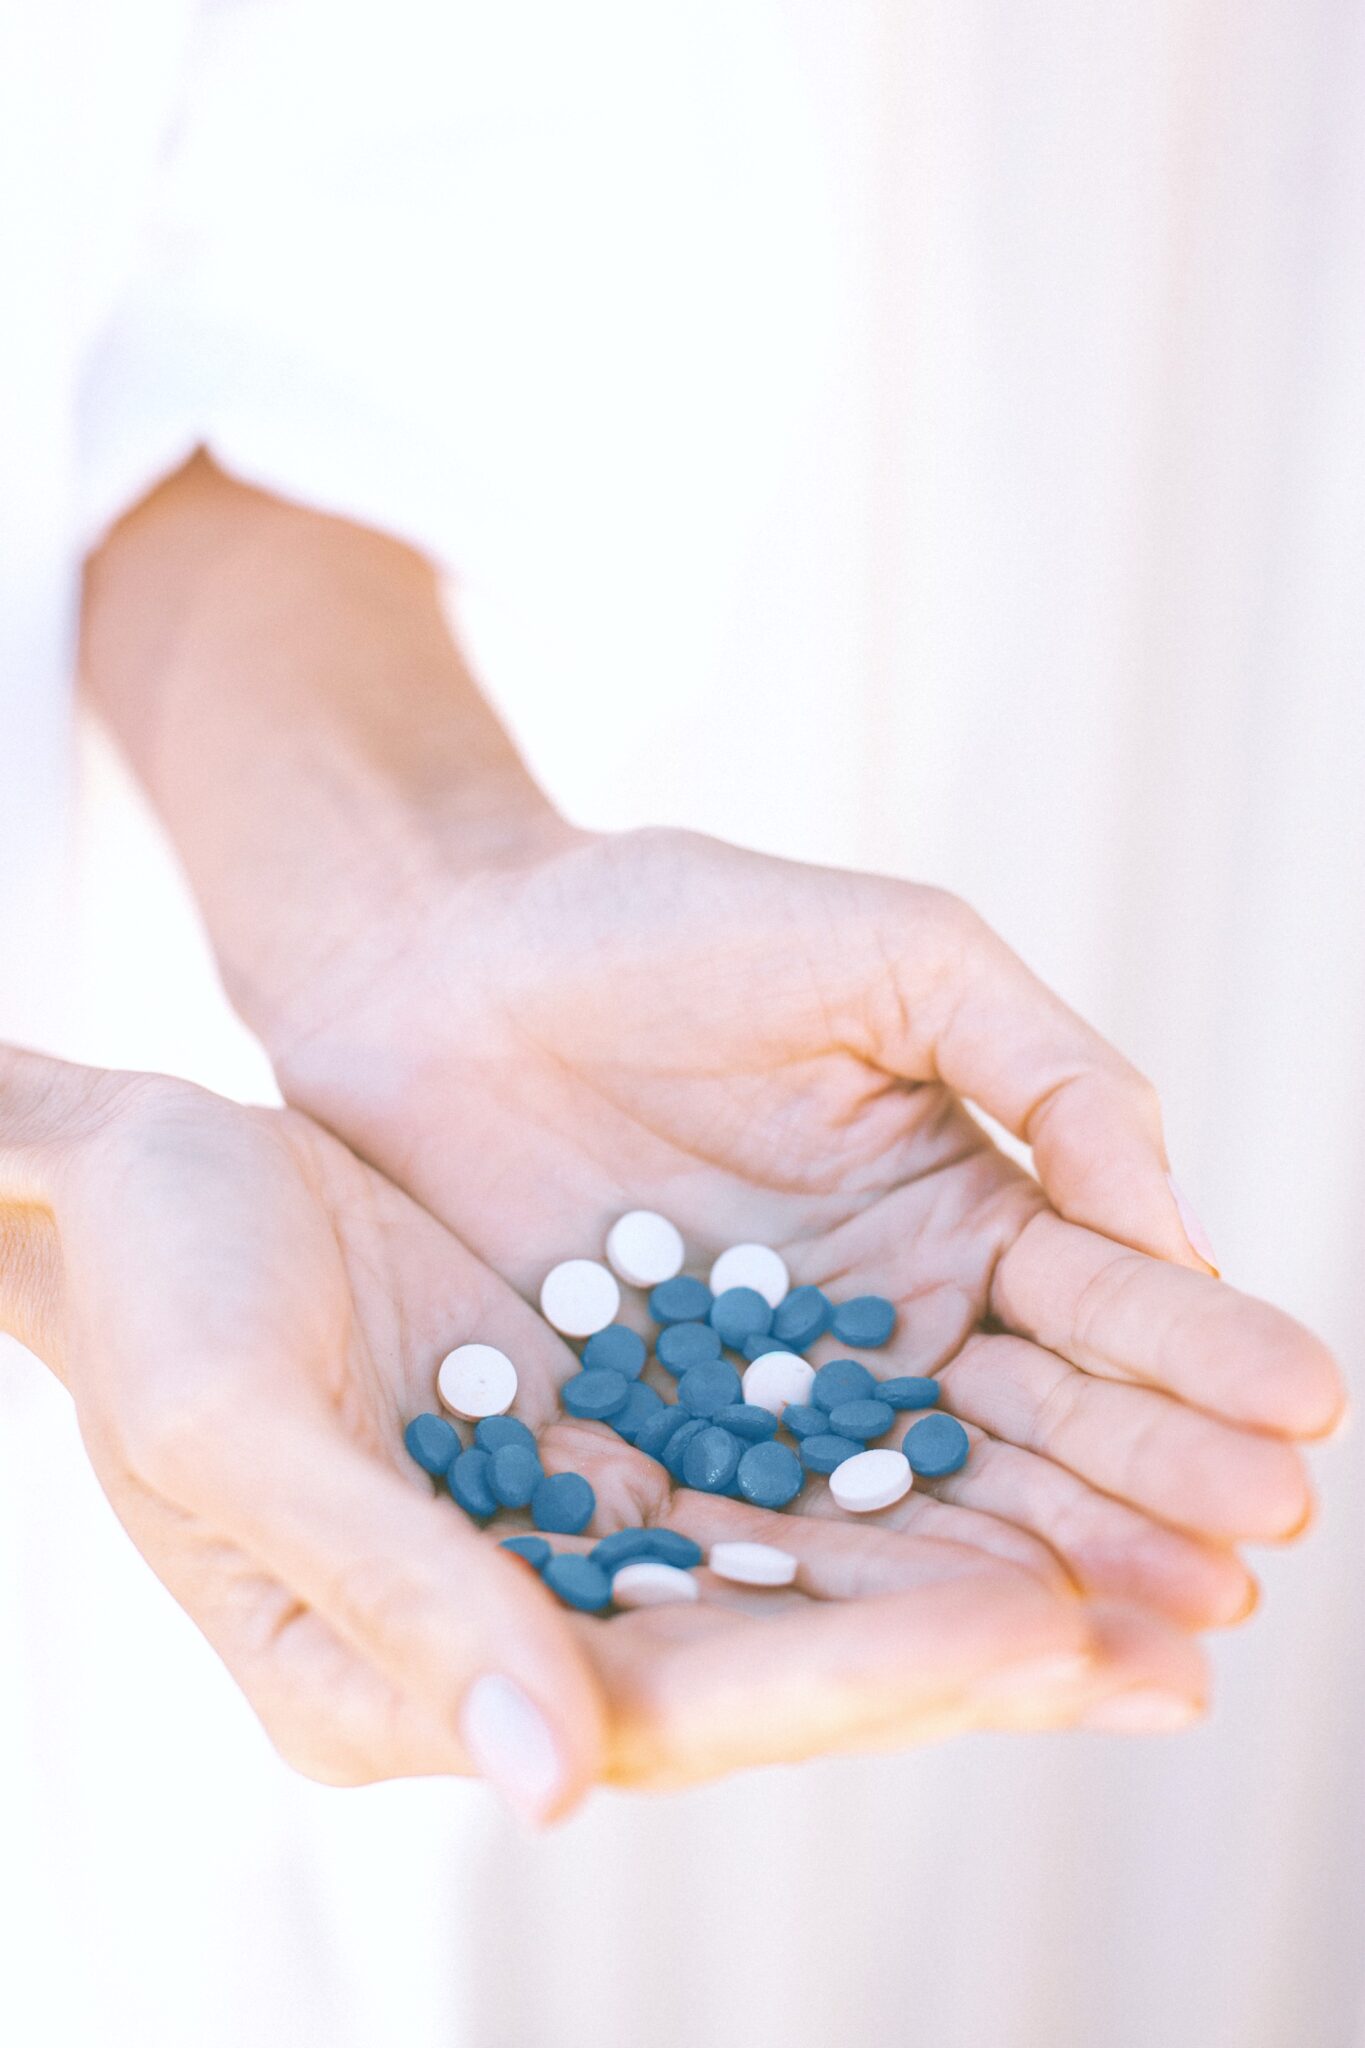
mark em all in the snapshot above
pixel 288 690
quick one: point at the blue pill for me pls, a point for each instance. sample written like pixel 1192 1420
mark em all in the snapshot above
pixel 534 1549
pixel 755 1347
pixel 640 1404
pixel 616 1349
pixel 843 1379
pixel 862 1420
pixel 593 1396
pixel 936 1446
pixel 680 1301
pixel 803 1418
pixel 866 1322
pixel 468 1483
pixel 823 1453
pixel 653 1436
pixel 909 1391
pixel 711 1460
pixel 677 1446
pixel 685 1344
pixel 514 1475
pixel 578 1582
pixel 705 1388
pixel 496 1430
pixel 754 1425
pixel 433 1442
pixel 770 1475
pixel 631 1546
pixel 802 1317
pixel 739 1313
pixel 563 1503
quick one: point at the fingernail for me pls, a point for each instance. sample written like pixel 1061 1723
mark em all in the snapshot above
pixel 1142 1711
pixel 509 1742
pixel 1044 1675
pixel 1193 1228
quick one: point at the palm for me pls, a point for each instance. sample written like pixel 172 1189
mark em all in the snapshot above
pixel 661 1021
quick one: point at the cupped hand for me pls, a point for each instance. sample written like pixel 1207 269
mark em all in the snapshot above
pixel 770 1051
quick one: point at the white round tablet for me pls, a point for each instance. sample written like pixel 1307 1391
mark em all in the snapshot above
pixel 752 1265
pixel 645 1248
pixel 776 1378
pixel 871 1480
pixel 579 1298
pixel 752 1564
pixel 650 1584
pixel 475 1380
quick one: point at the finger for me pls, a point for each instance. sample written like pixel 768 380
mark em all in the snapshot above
pixel 1145 1677
pixel 1118 1314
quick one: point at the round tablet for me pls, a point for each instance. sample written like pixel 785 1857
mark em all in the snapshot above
pixel 803 1418
pixel 578 1298
pixel 754 1347
pixel 778 1380
pixel 752 1564
pixel 711 1460
pixel 843 1379
pixel 752 1265
pixel 468 1483
pixel 770 1475
pixel 645 1248
pixel 514 1475
pixel 866 1322
pixel 826 1453
pixel 534 1549
pixel 861 1419
pixel 684 1344
pixel 676 1448
pixel 593 1396
pixel 754 1425
pixel 870 1480
pixel 704 1388
pixel 909 1391
pixel 739 1313
pixel 628 1546
pixel 683 1300
pixel 475 1380
pixel 496 1430
pixel 616 1349
pixel 432 1442
pixel 653 1435
pixel 936 1446
pixel 802 1317
pixel 578 1582
pixel 641 1403
pixel 563 1503
pixel 651 1584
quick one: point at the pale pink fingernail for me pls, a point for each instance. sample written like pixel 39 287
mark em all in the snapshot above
pixel 1192 1227
pixel 510 1743
pixel 1143 1711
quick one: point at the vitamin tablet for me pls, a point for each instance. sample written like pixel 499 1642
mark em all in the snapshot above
pixel 739 1313
pixel 651 1584
pixel 802 1317
pixel 909 1391
pixel 803 1418
pixel 755 1425
pixel 870 1480
pixel 625 1546
pixel 752 1265
pixel 711 1460
pixel 653 1436
pixel 616 1349
pixel 684 1344
pixel 705 1388
pixel 467 1479
pixel 534 1549
pixel 843 1379
pixel 861 1419
pixel 578 1582
pixel 593 1396
pixel 936 1446
pixel 579 1298
pixel 563 1503
pixel 676 1448
pixel 770 1475
pixel 640 1404
pixel 496 1430
pixel 475 1380
pixel 645 1248
pixel 432 1442
pixel 680 1301
pixel 752 1564
pixel 778 1380
pixel 824 1453
pixel 866 1322
pixel 513 1475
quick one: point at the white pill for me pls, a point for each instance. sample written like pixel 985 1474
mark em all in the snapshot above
pixel 752 1564
pixel 644 1248
pixel 579 1298
pixel 872 1480
pixel 776 1378
pixel 752 1265
pixel 649 1584
pixel 475 1380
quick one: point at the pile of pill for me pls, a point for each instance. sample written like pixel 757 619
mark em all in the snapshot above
pixel 724 1431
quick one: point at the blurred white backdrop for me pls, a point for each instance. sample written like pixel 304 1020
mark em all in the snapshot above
pixel 1034 567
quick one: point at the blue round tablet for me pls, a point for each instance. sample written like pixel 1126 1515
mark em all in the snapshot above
pixel 563 1503
pixel 823 1453
pixel 534 1549
pixel 770 1475
pixel 705 1388
pixel 680 1301
pixel 677 1446
pixel 754 1347
pixel 616 1349
pixel 803 1418
pixel 685 1344
pixel 640 1403
pixel 866 1322
pixel 578 1582
pixel 753 1425
pixel 909 1391
pixel 631 1546
pixel 593 1396
pixel 843 1379
pixel 496 1430
pixel 801 1317
pixel 652 1437
pixel 514 1475
pixel 433 1442
pixel 711 1460
pixel 739 1313
pixel 936 1446
pixel 862 1420
pixel 467 1479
